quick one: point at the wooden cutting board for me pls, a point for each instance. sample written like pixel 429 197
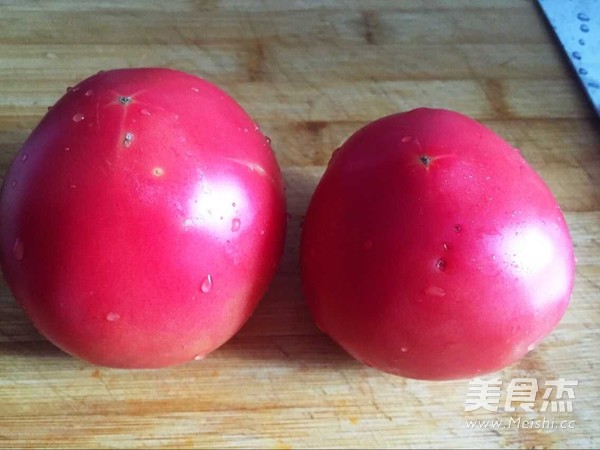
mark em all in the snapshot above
pixel 310 72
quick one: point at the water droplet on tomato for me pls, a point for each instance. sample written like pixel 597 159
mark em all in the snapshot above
pixel 268 139
pixel 436 291
pixel 206 284
pixel 24 157
pixel 404 349
pixel 198 357
pixel 440 264
pixel 113 316
pixel 13 184
pixel 235 225
pixel 145 112
pixel 406 139
pixel 69 88
pixel 78 117
pixel 195 89
pixel 128 139
pixel 88 92
pixel 333 155
pixel 18 249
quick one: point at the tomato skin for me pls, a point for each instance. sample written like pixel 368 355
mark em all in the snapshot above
pixel 431 249
pixel 142 220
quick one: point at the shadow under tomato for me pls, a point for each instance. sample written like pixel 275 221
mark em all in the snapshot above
pixel 18 337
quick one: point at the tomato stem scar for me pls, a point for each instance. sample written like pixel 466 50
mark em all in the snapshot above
pixel 426 160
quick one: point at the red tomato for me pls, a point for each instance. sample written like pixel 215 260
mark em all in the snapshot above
pixel 432 250
pixel 142 220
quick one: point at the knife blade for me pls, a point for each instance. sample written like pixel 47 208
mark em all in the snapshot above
pixel 576 23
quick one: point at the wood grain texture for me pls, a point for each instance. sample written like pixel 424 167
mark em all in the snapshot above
pixel 310 73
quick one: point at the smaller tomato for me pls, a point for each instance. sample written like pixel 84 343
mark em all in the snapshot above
pixel 431 250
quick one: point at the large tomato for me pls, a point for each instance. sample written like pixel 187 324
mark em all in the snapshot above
pixel 432 250
pixel 142 220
